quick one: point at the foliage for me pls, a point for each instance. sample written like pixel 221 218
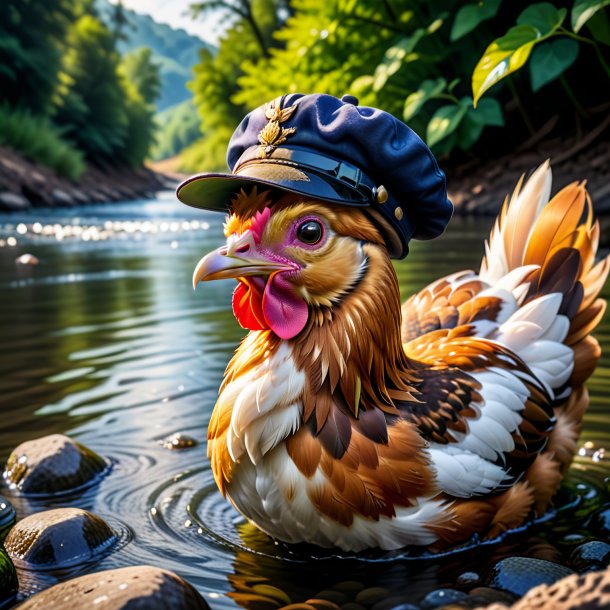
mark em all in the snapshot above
pixel 439 65
pixel 140 69
pixel 90 103
pixel 178 127
pixel 40 141
pixel 537 23
pixel 31 33
pixel 103 102
pixel 173 50
pixel 216 82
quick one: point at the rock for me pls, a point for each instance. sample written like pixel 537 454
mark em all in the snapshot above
pixel 27 259
pixel 13 201
pixel 52 464
pixel 133 588
pixel 179 441
pixel 468 579
pixel 7 517
pixel 593 555
pixel 600 523
pixel 398 602
pixel 488 595
pixel 442 597
pixel 371 596
pixel 8 578
pixel 59 538
pixel 61 198
pixel 518 575
pixel 576 592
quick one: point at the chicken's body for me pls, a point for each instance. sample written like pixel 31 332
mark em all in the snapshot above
pixel 360 431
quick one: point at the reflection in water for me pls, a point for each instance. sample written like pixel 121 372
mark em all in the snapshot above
pixel 106 340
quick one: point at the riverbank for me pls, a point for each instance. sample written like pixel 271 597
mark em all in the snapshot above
pixel 25 184
pixel 478 187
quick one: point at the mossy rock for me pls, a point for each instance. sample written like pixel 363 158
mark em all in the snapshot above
pixel 8 578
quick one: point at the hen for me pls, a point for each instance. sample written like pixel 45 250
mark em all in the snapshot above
pixel 345 420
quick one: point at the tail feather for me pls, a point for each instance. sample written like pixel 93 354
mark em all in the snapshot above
pixel 557 242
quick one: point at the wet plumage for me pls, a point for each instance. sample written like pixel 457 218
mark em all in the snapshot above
pixel 347 420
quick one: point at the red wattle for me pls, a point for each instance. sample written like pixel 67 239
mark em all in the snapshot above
pixel 248 306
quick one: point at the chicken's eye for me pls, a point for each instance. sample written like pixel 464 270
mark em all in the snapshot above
pixel 310 232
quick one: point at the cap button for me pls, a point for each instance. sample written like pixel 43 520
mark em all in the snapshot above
pixel 350 99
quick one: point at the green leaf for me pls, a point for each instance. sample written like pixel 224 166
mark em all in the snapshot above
pixel 469 131
pixel 543 16
pixel 583 10
pixel 469 16
pixel 502 57
pixel 551 59
pixel 488 112
pixel 394 58
pixel 599 26
pixel 445 121
pixel 427 90
pixel 453 84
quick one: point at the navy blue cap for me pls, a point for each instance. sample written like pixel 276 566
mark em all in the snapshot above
pixel 334 150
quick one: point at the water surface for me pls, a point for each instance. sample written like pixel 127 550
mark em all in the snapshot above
pixel 105 340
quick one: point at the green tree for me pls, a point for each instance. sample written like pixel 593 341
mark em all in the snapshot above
pixel 31 37
pixel 141 84
pixel 90 104
pixel 216 82
pixel 139 69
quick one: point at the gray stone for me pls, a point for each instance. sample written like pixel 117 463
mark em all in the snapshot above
pixel 61 198
pixel 576 592
pixel 133 588
pixel 59 538
pixel 590 555
pixel 52 464
pixel 442 597
pixel 13 201
pixel 179 441
pixel 518 575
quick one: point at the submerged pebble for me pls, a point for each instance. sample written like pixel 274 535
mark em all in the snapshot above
pixel 8 578
pixel 593 555
pixel 7 517
pixel 518 575
pixel 575 592
pixel 52 464
pixel 600 523
pixel 179 441
pixel 442 597
pixel 133 588
pixel 59 538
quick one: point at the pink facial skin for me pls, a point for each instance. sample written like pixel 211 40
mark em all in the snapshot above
pixel 273 304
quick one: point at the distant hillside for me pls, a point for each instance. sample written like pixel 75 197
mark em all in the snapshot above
pixel 179 126
pixel 174 50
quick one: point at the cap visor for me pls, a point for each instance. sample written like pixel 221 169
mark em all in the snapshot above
pixel 215 191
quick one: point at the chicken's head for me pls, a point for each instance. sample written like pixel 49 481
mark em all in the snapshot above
pixel 290 257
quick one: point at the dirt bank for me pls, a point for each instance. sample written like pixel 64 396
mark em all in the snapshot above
pixel 24 184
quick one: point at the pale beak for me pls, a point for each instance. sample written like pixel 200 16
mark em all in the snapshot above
pixel 236 259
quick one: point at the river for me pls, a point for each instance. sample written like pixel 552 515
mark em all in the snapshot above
pixel 105 339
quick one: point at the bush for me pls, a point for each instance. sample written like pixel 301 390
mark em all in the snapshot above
pixel 40 141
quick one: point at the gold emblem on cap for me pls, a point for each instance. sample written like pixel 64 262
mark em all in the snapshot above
pixel 273 134
pixel 381 194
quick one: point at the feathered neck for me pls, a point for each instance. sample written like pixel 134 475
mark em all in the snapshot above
pixel 352 353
